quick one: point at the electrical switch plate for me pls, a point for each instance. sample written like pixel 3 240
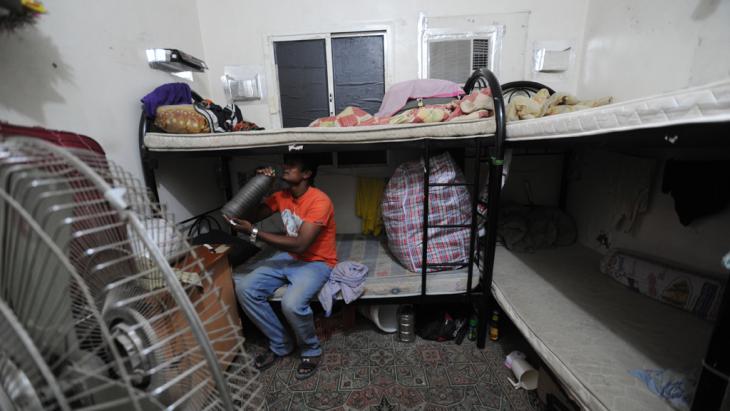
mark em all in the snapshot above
pixel 552 61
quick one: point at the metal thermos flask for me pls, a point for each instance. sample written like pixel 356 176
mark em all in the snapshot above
pixel 249 196
pixel 406 324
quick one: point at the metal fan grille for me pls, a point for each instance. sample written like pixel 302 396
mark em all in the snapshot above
pixel 127 334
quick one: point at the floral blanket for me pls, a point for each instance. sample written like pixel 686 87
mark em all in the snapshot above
pixel 476 105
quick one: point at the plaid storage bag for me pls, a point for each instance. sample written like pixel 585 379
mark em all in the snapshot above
pixel 402 210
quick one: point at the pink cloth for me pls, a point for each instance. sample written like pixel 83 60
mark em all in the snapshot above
pixel 398 94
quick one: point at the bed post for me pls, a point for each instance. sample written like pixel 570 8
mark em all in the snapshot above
pixel 426 195
pixel 712 387
pixel 494 190
pixel 148 162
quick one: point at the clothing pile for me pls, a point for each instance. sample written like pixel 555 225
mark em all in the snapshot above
pixel 177 109
pixel 530 228
pixel 543 104
pixel 347 277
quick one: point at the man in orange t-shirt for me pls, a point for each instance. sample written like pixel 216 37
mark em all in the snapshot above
pixel 307 256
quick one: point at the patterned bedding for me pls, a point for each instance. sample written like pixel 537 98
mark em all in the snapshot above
pixel 478 104
pixel 386 278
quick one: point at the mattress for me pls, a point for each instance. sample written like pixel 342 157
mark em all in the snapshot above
pixel 316 135
pixel 590 330
pixel 704 104
pixel 386 277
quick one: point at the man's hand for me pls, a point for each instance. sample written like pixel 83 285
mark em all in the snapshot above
pixel 267 171
pixel 243 226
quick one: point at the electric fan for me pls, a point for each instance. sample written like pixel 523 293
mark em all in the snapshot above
pixel 103 304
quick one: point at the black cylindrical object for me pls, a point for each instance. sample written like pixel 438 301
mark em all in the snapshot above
pixel 406 324
pixel 249 196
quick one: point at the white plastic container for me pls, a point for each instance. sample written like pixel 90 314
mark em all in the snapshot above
pixel 384 317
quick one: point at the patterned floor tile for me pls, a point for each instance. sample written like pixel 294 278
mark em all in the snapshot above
pixel 407 356
pixel 445 396
pixel 411 376
pixel 325 400
pixel 491 396
pixel 381 357
pixel 365 369
pixel 354 378
pixel 356 358
pixel 462 374
pixel 406 397
pixel 382 376
pixel 365 398
pixel 437 376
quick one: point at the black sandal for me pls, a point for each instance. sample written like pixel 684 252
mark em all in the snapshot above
pixel 266 360
pixel 307 367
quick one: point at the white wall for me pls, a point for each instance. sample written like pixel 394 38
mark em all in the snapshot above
pixel 700 245
pixel 82 68
pixel 638 48
pixel 237 32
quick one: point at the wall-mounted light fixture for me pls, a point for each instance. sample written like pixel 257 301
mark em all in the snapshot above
pixel 174 61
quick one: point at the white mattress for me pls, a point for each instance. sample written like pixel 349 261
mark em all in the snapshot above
pixel 591 330
pixel 704 104
pixel 386 277
pixel 317 135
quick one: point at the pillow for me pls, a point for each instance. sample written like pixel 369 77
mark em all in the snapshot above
pixel 399 94
pixel 671 285
pixel 181 119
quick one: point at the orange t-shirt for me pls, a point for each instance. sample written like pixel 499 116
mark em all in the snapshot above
pixel 314 206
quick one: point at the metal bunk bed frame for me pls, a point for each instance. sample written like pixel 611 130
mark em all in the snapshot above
pixel 481 295
pixel 712 389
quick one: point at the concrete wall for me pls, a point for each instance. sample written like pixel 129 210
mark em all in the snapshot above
pixel 639 48
pixel 82 68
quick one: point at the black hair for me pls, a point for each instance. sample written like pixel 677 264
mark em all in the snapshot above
pixel 306 162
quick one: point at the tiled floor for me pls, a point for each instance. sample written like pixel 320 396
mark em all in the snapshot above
pixel 364 369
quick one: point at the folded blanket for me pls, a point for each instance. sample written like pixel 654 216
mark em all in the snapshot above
pixel 347 277
pixel 543 104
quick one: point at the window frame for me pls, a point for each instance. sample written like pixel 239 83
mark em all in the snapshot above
pixel 275 100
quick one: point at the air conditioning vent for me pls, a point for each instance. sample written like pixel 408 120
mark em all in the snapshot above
pixel 480 54
pixel 456 59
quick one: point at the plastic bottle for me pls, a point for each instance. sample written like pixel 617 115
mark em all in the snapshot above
pixel 494 326
pixel 472 333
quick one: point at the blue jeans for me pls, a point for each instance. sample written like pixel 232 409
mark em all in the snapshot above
pixel 305 279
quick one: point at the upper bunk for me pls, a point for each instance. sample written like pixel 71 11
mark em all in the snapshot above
pixel 707 105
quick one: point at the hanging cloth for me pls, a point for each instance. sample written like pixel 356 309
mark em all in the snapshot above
pixel 699 188
pixel 368 197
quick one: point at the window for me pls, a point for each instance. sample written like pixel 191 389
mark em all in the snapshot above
pixel 320 75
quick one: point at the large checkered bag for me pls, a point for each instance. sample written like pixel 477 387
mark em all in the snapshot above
pixel 402 210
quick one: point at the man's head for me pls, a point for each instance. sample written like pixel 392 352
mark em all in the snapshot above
pixel 298 167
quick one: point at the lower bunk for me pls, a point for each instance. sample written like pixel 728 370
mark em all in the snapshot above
pixel 592 331
pixel 386 277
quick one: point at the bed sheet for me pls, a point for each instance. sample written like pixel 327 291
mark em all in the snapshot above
pixel 591 330
pixel 386 277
